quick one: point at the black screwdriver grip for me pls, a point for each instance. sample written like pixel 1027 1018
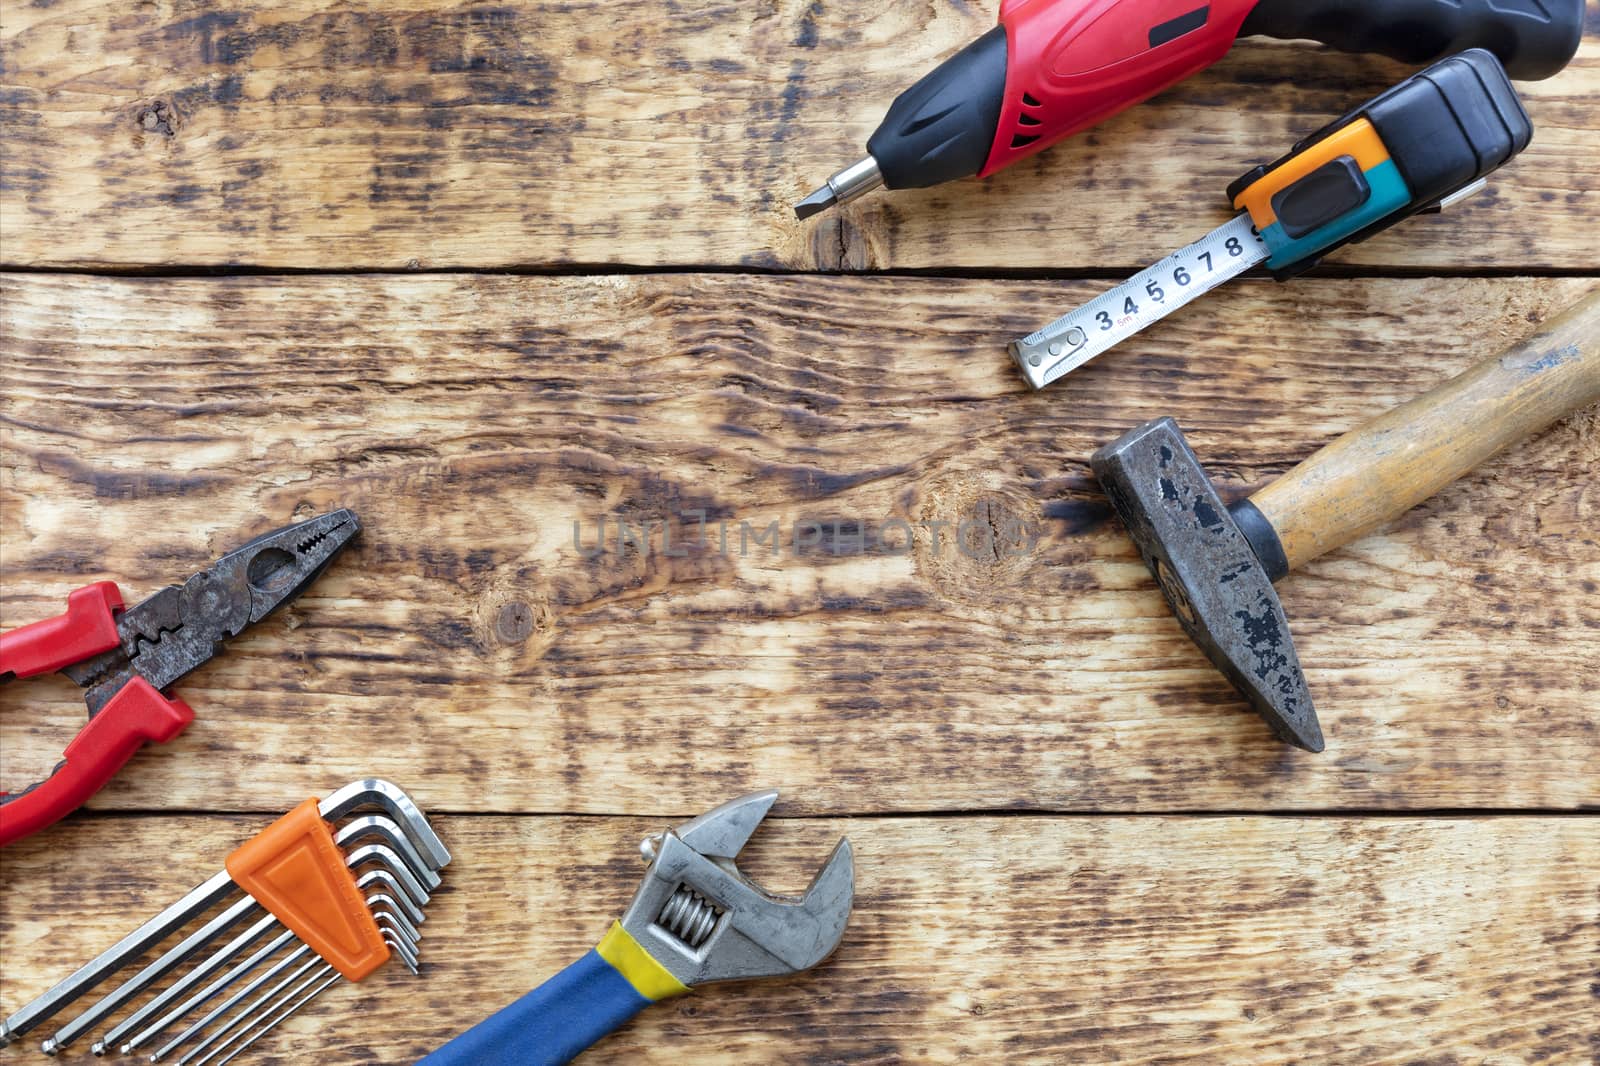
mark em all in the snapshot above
pixel 941 128
pixel 1534 39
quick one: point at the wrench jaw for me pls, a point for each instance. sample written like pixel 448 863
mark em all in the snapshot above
pixel 704 921
pixel 723 832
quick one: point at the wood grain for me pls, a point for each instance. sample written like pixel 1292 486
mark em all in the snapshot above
pixel 1378 471
pixel 423 133
pixel 1039 939
pixel 1007 725
pixel 151 424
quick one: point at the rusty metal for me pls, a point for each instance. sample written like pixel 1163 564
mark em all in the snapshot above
pixel 1207 569
pixel 175 630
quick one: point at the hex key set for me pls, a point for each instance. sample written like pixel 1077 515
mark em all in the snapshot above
pixel 327 893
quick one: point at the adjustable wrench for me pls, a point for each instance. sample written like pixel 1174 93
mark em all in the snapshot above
pixel 695 920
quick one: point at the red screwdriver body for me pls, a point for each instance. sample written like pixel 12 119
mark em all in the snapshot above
pixel 1053 68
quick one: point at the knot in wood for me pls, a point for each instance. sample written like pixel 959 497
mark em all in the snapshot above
pixel 514 623
pixel 157 117
pixel 975 536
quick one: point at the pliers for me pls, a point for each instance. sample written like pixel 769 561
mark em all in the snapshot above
pixel 127 659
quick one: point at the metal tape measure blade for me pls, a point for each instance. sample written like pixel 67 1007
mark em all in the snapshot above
pixel 1149 296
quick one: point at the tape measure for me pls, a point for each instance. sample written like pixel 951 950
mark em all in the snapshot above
pixel 1421 146
pixel 1144 299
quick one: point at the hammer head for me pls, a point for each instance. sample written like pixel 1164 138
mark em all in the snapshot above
pixel 1219 590
pixel 703 920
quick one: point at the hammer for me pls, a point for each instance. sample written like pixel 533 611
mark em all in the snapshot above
pixel 1216 564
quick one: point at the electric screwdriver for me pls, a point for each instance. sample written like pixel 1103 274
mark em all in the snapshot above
pixel 1053 68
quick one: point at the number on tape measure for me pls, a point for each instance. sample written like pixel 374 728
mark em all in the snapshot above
pixel 1107 320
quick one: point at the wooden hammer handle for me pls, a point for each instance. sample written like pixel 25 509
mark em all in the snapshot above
pixel 1379 471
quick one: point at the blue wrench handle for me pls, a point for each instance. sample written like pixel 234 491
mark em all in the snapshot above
pixel 559 1020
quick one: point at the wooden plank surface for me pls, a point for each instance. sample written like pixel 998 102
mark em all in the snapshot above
pixel 421 133
pixel 1074 842
pixel 1039 939
pixel 474 422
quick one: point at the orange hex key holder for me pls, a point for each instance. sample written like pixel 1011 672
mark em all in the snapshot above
pixel 323 894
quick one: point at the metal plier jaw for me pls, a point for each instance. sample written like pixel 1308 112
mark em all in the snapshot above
pixel 125 660
pixel 705 921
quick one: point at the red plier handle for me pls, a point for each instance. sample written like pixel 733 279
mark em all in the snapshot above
pixel 137 715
